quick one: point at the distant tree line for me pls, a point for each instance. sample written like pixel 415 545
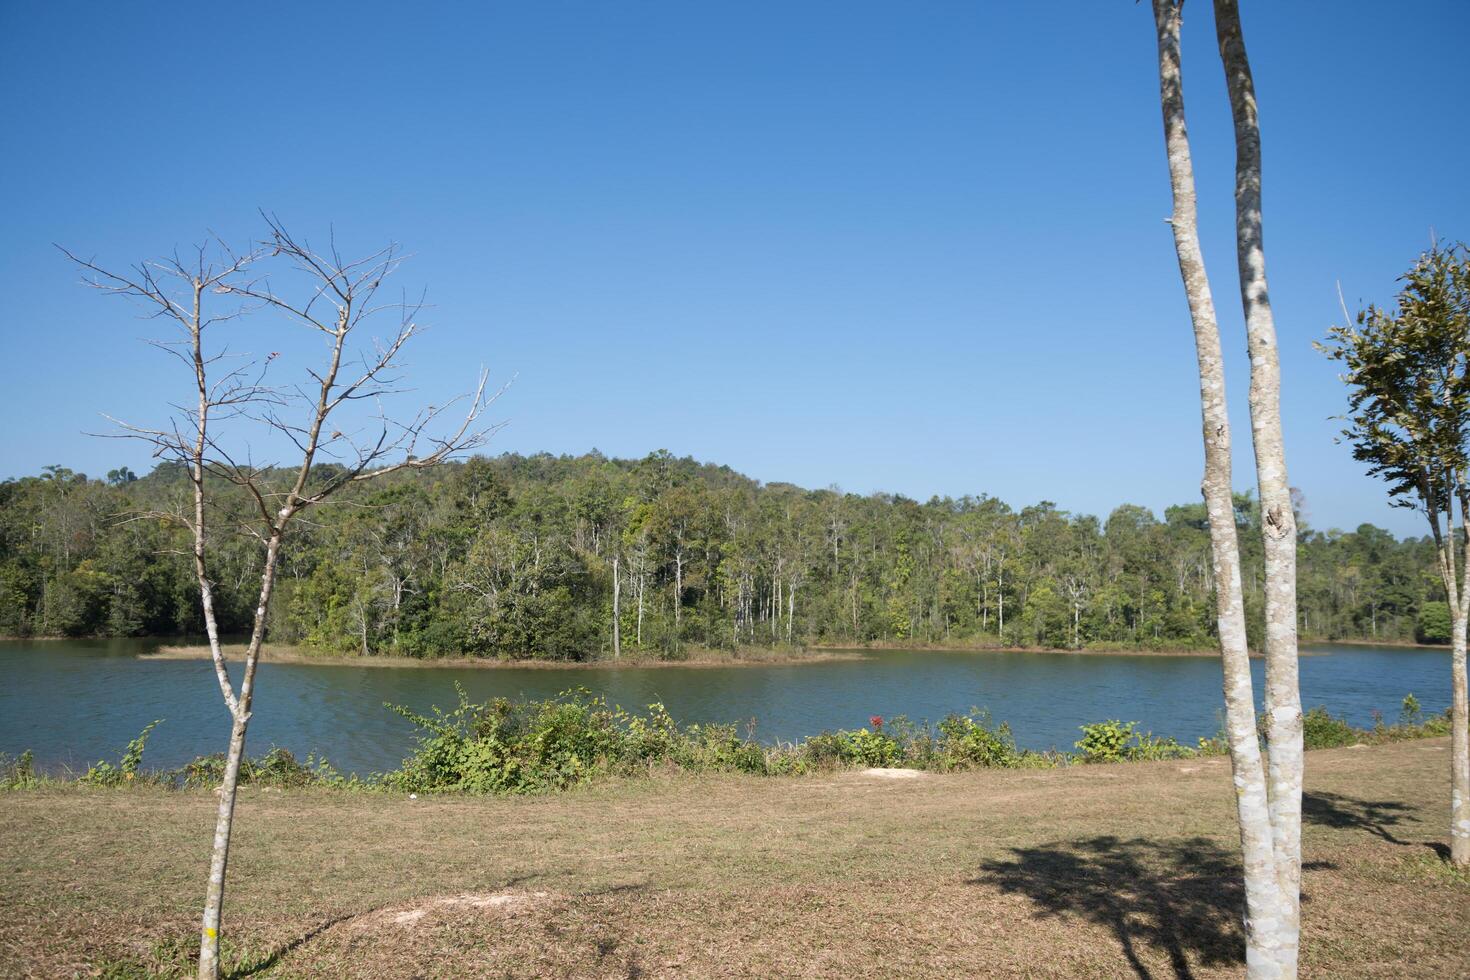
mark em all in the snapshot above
pixel 514 556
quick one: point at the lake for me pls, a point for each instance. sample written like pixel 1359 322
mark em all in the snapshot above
pixel 74 702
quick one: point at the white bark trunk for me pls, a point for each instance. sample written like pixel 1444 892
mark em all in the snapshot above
pixel 1456 578
pixel 1278 523
pixel 1459 746
pixel 678 589
pixel 225 817
pixel 1000 600
pixel 617 596
pixel 1270 926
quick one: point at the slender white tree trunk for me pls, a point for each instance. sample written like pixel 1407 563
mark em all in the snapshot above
pixel 1459 746
pixel 1000 599
pixel 1456 577
pixel 220 855
pixel 790 610
pixel 225 817
pixel 1270 928
pixel 1278 523
pixel 617 611
pixel 678 588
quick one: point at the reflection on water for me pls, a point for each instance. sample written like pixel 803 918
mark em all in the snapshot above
pixel 74 702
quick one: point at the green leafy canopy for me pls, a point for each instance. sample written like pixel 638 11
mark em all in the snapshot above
pixel 1406 368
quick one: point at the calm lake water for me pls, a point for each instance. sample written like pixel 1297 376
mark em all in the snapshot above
pixel 74 702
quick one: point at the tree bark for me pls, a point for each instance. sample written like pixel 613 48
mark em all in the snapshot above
pixel 1270 930
pixel 240 714
pixel 1459 745
pixel 617 596
pixel 1278 523
pixel 1456 578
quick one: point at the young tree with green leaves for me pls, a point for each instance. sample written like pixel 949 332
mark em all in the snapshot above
pixel 1408 374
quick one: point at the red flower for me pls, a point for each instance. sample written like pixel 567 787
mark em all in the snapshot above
pixel 876 721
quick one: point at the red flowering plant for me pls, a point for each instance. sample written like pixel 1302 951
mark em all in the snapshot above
pixel 876 721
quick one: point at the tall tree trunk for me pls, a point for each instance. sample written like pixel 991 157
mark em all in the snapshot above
pixel 1456 577
pixel 1459 744
pixel 220 856
pixel 638 592
pixel 1000 599
pixel 790 610
pixel 1270 924
pixel 678 588
pixel 225 816
pixel 617 611
pixel 1278 522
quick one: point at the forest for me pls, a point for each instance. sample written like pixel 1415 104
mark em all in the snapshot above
pixel 517 556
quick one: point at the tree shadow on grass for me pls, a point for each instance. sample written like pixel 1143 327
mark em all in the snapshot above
pixel 1381 818
pixel 1184 897
pixel 273 956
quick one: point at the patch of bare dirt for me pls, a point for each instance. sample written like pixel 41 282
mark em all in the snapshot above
pixel 411 916
pixel 894 773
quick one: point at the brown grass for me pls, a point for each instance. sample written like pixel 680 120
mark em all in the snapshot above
pixel 981 646
pixel 1108 871
pixel 693 657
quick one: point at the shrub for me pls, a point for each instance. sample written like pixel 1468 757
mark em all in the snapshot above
pixel 508 747
pixel 106 774
pixel 1106 741
pixel 871 747
pixel 1322 731
pixel 277 768
pixel 18 772
pixel 1410 713
pixel 1114 741
pixel 970 741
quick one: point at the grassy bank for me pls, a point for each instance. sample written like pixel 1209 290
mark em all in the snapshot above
pixel 980 646
pixel 1083 871
pixel 689 657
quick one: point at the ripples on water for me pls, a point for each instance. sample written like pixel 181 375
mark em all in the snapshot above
pixel 74 702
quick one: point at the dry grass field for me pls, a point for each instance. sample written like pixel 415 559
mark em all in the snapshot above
pixel 1104 871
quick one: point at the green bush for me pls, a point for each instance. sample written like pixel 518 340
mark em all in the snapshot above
pixel 1114 741
pixel 18 772
pixel 106 774
pixel 1106 741
pixel 970 742
pixel 1410 713
pixel 507 747
pixel 277 768
pixel 1322 731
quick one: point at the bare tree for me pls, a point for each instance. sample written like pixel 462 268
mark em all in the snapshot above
pixel 233 399
pixel 1268 811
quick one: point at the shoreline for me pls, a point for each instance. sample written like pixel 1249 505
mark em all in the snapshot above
pixel 746 657
pixel 1401 644
pixel 962 647
pixel 696 656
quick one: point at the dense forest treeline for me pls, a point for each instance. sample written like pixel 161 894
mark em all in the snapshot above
pixel 517 556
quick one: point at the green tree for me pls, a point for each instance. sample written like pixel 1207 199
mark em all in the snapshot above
pixel 1407 369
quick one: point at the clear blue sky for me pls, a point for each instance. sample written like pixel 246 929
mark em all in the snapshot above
pixel 915 247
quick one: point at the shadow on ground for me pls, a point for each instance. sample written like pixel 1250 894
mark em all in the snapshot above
pixel 1181 897
pixel 1381 818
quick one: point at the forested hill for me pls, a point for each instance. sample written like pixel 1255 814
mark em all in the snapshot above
pixel 515 556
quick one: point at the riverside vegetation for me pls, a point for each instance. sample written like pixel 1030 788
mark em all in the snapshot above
pixel 514 556
pixel 505 747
